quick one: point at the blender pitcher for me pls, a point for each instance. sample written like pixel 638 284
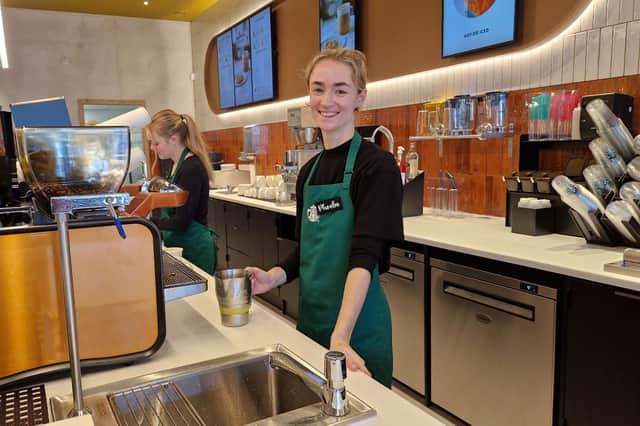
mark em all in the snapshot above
pixel 497 103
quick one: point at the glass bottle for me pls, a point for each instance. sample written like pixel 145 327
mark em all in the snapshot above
pixel 412 161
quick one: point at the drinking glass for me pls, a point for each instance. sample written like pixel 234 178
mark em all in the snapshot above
pixel 435 125
pixel 452 207
pixel 422 123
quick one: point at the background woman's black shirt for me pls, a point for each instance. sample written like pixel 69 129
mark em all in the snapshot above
pixel 191 177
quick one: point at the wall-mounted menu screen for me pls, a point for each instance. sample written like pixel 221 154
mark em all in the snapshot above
pixel 245 61
pixel 337 24
pixel 469 25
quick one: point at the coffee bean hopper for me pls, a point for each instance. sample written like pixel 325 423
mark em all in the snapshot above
pixel 115 313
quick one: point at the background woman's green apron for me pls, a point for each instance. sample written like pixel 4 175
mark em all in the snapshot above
pixel 325 246
pixel 196 241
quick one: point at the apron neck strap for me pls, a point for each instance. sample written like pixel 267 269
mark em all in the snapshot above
pixel 348 167
pixel 185 151
pixel 351 159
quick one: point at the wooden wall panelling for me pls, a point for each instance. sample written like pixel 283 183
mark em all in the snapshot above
pixel 395 119
pixel 430 162
pixel 366 118
pixel 477 165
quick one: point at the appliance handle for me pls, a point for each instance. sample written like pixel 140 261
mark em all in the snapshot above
pixel 401 272
pixel 526 312
pixel 626 295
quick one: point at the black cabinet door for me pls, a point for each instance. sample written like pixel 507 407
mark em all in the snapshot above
pixel 263 228
pixel 602 371
pixel 216 222
pixel 236 259
pixel 236 218
pixel 288 292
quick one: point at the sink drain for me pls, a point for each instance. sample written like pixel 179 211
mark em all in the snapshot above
pixel 159 404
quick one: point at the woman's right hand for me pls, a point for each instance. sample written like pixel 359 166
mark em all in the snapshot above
pixel 261 281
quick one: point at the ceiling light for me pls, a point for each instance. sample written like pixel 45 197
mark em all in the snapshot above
pixel 146 2
pixel 3 46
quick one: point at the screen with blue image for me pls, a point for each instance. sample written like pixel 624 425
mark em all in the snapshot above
pixel 41 113
pixel 245 61
pixel 469 25
pixel 261 56
pixel 225 70
pixel 337 24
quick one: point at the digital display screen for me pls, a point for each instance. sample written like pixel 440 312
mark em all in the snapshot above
pixel 261 55
pixel 41 113
pixel 469 25
pixel 225 70
pixel 245 61
pixel 337 24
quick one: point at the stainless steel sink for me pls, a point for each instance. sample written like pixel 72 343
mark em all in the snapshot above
pixel 239 389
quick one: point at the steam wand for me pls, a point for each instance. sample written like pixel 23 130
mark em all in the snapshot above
pixel 61 207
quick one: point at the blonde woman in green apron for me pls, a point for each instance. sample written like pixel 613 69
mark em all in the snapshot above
pixel 348 212
pixel 175 136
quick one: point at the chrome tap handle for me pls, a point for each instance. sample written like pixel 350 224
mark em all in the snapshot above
pixel 335 394
pixel 335 369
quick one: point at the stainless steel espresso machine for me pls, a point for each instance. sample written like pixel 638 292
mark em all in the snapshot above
pixel 306 140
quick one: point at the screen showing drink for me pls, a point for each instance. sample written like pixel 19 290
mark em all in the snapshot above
pixel 261 55
pixel 245 62
pixel 337 24
pixel 469 25
pixel 225 70
pixel 242 62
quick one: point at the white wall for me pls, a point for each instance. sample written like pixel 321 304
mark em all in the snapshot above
pixel 94 56
pixel 604 42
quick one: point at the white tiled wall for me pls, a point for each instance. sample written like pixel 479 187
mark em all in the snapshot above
pixel 603 42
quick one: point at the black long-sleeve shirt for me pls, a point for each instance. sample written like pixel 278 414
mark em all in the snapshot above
pixel 191 177
pixel 376 193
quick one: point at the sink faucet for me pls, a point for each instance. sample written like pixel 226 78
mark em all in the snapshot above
pixel 331 390
pixel 385 131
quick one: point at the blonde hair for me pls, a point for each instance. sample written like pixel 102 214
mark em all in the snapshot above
pixel 167 123
pixel 355 59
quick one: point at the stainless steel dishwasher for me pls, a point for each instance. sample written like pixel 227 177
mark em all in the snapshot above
pixel 492 346
pixel 404 286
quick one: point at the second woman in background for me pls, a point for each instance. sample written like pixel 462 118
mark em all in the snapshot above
pixel 175 136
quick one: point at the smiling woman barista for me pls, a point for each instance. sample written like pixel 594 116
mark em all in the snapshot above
pixel 176 137
pixel 348 212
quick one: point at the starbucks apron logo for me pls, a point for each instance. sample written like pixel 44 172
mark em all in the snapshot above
pixel 312 214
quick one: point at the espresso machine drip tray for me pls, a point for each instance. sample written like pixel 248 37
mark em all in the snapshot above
pixel 26 406
pixel 178 280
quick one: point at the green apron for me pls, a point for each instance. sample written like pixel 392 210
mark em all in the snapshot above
pixel 196 241
pixel 325 246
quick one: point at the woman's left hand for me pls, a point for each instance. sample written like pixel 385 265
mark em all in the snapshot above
pixel 354 361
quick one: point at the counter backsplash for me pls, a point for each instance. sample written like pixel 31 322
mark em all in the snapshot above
pixel 477 165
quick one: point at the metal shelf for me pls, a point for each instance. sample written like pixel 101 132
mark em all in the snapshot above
pixel 473 136
pixel 484 136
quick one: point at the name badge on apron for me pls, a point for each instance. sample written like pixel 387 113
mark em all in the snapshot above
pixel 323 207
